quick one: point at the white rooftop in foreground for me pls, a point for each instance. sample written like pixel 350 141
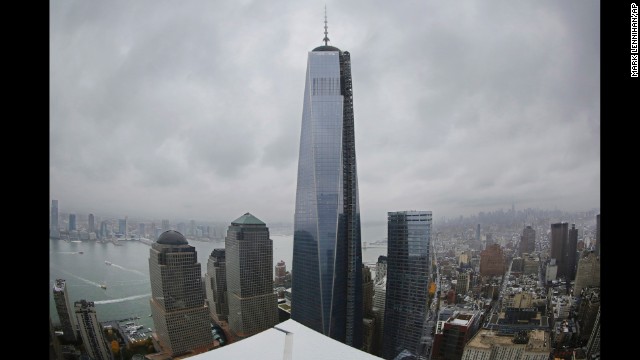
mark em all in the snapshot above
pixel 270 345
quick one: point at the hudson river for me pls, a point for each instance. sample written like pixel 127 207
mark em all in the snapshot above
pixel 128 289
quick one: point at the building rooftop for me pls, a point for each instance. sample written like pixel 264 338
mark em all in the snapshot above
pixel 326 48
pixel 172 237
pixel 271 345
pixel 538 341
pixel 484 339
pixel 247 219
pixel 59 285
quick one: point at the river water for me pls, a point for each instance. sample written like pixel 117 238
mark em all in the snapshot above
pixel 128 289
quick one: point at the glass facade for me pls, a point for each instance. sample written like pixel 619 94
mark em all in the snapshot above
pixel 408 266
pixel 216 286
pixel 327 258
pixel 54 231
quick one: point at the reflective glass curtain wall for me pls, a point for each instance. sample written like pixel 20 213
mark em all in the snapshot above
pixel 408 266
pixel 327 258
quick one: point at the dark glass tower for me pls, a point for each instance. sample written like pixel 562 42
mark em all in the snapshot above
pixel 408 266
pixel 571 253
pixel 527 241
pixel 327 258
pixel 216 286
pixel 54 231
pixel 72 222
pixel 559 242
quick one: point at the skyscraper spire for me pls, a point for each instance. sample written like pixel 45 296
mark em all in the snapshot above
pixel 327 291
pixel 326 39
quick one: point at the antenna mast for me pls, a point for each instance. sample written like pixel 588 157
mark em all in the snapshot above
pixel 326 39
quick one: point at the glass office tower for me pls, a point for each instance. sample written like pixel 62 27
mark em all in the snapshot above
pixel 54 230
pixel 408 266
pixel 327 259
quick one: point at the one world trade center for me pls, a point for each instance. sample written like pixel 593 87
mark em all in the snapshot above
pixel 327 256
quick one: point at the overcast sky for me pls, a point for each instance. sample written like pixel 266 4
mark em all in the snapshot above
pixel 192 109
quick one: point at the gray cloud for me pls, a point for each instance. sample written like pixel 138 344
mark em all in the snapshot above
pixel 193 110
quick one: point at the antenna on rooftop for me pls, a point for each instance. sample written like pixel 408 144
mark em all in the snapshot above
pixel 326 39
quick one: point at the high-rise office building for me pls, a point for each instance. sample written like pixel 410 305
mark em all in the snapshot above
pixel 368 320
pixel 559 246
pixel 91 331
pixel 281 273
pixel 531 264
pixel 527 241
pixel 462 286
pixel 55 348
pixel 192 227
pixel 551 270
pixel 450 339
pixel 587 311
pixel 492 261
pixel 166 226
pixel 54 229
pixel 381 268
pixel 478 234
pixel 488 240
pixel 103 230
pixel 593 345
pixel 367 291
pixel 92 223
pixel 216 286
pixel 122 227
pixel 327 254
pixel 588 273
pixel 253 306
pixel 65 310
pixel 142 230
pixel 182 228
pixel 177 302
pixel 571 254
pixel 72 222
pixel 408 268
pixel 379 300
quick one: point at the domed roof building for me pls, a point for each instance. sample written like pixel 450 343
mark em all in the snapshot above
pixel 177 302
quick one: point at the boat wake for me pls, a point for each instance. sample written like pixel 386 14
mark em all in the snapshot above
pixel 130 270
pixel 112 301
pixel 81 278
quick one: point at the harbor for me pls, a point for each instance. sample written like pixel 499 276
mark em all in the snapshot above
pixel 130 329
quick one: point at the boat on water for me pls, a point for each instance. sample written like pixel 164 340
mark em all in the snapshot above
pixel 80 252
pixel 103 286
pixel 108 262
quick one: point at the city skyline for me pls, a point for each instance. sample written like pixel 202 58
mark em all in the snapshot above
pixel 470 109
